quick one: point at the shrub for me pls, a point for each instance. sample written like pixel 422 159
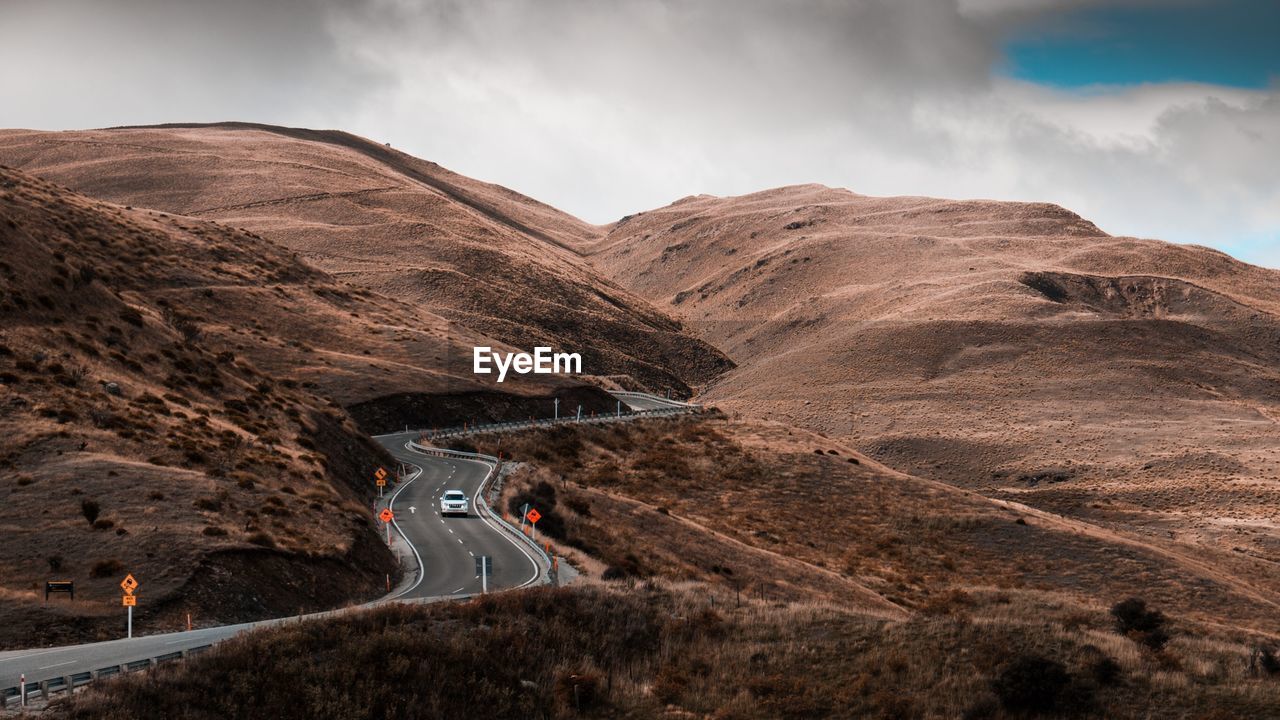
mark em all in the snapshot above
pixel 1263 661
pixel 208 504
pixel 214 531
pixel 1144 625
pixel 542 497
pixel 90 509
pixel 131 316
pixel 1105 670
pixel 669 684
pixel 55 563
pixel 106 568
pixel 578 691
pixel 103 524
pixel 1031 683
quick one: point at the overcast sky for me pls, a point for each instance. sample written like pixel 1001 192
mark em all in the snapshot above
pixel 1155 118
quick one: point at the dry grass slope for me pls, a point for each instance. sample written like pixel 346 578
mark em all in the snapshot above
pixel 1011 348
pixel 663 650
pixel 489 260
pixel 763 508
pixel 140 433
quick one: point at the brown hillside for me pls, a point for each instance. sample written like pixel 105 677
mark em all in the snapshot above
pixel 763 508
pixel 1008 347
pixel 663 650
pixel 157 418
pixel 486 258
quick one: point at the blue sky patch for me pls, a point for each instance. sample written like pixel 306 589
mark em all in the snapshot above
pixel 1228 42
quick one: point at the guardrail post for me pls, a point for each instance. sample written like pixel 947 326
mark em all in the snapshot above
pixel 44 690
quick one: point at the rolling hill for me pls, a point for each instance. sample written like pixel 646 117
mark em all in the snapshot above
pixel 145 430
pixel 1011 348
pixel 486 259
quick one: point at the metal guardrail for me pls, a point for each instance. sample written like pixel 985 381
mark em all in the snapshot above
pixel 42 689
pixel 681 409
pixel 652 398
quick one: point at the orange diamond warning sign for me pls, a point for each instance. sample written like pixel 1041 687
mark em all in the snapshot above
pixel 386 515
pixel 534 516
pixel 129 584
pixel 380 474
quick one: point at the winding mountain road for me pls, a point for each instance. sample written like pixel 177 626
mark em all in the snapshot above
pixel 439 554
pixel 445 548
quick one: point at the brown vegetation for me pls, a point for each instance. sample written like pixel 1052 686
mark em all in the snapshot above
pixel 764 508
pixel 133 420
pixel 487 262
pixel 1011 348
pixel 658 649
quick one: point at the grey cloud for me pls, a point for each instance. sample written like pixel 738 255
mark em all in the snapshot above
pixel 608 107
pixel 85 63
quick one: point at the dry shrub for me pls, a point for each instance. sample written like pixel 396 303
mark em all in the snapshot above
pixel 578 692
pixel 106 568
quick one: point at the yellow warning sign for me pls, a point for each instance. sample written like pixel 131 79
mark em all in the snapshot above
pixel 129 600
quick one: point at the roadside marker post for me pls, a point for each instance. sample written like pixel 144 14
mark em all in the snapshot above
pixel 484 568
pixel 557 417
pixel 386 516
pixel 534 516
pixel 129 600
pixel 579 413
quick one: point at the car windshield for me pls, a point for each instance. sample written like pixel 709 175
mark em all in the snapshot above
pixel 454 495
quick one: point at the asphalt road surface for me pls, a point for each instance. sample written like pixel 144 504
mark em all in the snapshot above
pixel 447 547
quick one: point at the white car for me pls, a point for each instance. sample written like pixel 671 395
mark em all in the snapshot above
pixel 453 502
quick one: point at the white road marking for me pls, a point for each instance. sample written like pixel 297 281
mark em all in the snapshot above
pixel 46 667
pixel 390 503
